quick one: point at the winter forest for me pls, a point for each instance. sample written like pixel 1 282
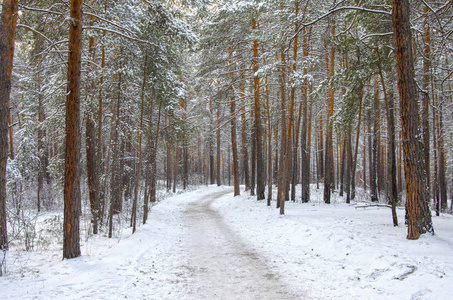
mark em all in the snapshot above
pixel 109 107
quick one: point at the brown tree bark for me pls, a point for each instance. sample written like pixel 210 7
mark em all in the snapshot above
pixel 245 153
pixel 42 166
pixel 295 127
pixel 71 236
pixel 442 182
pixel 7 42
pixel 139 147
pixel 282 165
pixel 425 97
pixel 418 213
pixel 218 153
pixel 175 167
pixel 374 162
pixel 329 163
pixel 115 181
pixel 93 171
pixel 260 184
pixel 234 147
pixel 269 146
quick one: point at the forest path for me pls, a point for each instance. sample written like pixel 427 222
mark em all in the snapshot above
pixel 222 265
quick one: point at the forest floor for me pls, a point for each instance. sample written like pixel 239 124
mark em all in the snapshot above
pixel 207 244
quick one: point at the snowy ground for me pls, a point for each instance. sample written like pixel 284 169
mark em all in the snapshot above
pixel 205 244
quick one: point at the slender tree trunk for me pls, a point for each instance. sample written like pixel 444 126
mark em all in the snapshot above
pixel 348 171
pixel 419 215
pixel 7 42
pixel 442 161
pixel 139 147
pixel 269 148
pixel 72 202
pixel 329 163
pixel 218 154
pixel 154 156
pixel 283 163
pixel 245 154
pixel 425 97
pixel 436 194
pixel 305 136
pixel 115 181
pixel 375 148
pixel 92 152
pixel 260 185
pixel 234 147
pixel 40 145
pixel 295 128
pixel 175 167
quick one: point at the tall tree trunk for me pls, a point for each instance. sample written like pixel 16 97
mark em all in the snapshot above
pixel 260 185
pixel 139 148
pixel 419 215
pixel 442 162
pixel 253 158
pixel 392 189
pixel 425 97
pixel 7 41
pixel 304 144
pixel 295 128
pixel 284 152
pixel 375 147
pixel 245 154
pixel 175 167
pixel 234 147
pixel 391 161
pixel 349 168
pixel 115 181
pixel 269 147
pixel 92 170
pixel 40 145
pixel 72 204
pixel 92 152
pixel 436 194
pixel 329 163
pixel 218 154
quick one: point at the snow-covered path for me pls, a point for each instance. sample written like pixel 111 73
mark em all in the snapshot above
pixel 207 244
pixel 186 251
pixel 223 266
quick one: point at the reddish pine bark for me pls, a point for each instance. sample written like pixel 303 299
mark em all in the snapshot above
pixel 71 240
pixel 418 213
pixel 7 38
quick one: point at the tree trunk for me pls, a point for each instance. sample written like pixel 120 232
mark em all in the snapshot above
pixel 92 171
pixel 419 215
pixel 218 154
pixel 260 185
pixel 72 202
pixel 269 148
pixel 329 163
pixel 245 154
pixel 92 152
pixel 375 148
pixel 115 181
pixel 139 148
pixel 295 128
pixel 175 167
pixel 234 147
pixel 7 42
pixel 425 97
pixel 41 154
pixel 391 161
pixel 442 162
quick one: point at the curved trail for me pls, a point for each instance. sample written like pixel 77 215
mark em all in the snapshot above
pixel 222 265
